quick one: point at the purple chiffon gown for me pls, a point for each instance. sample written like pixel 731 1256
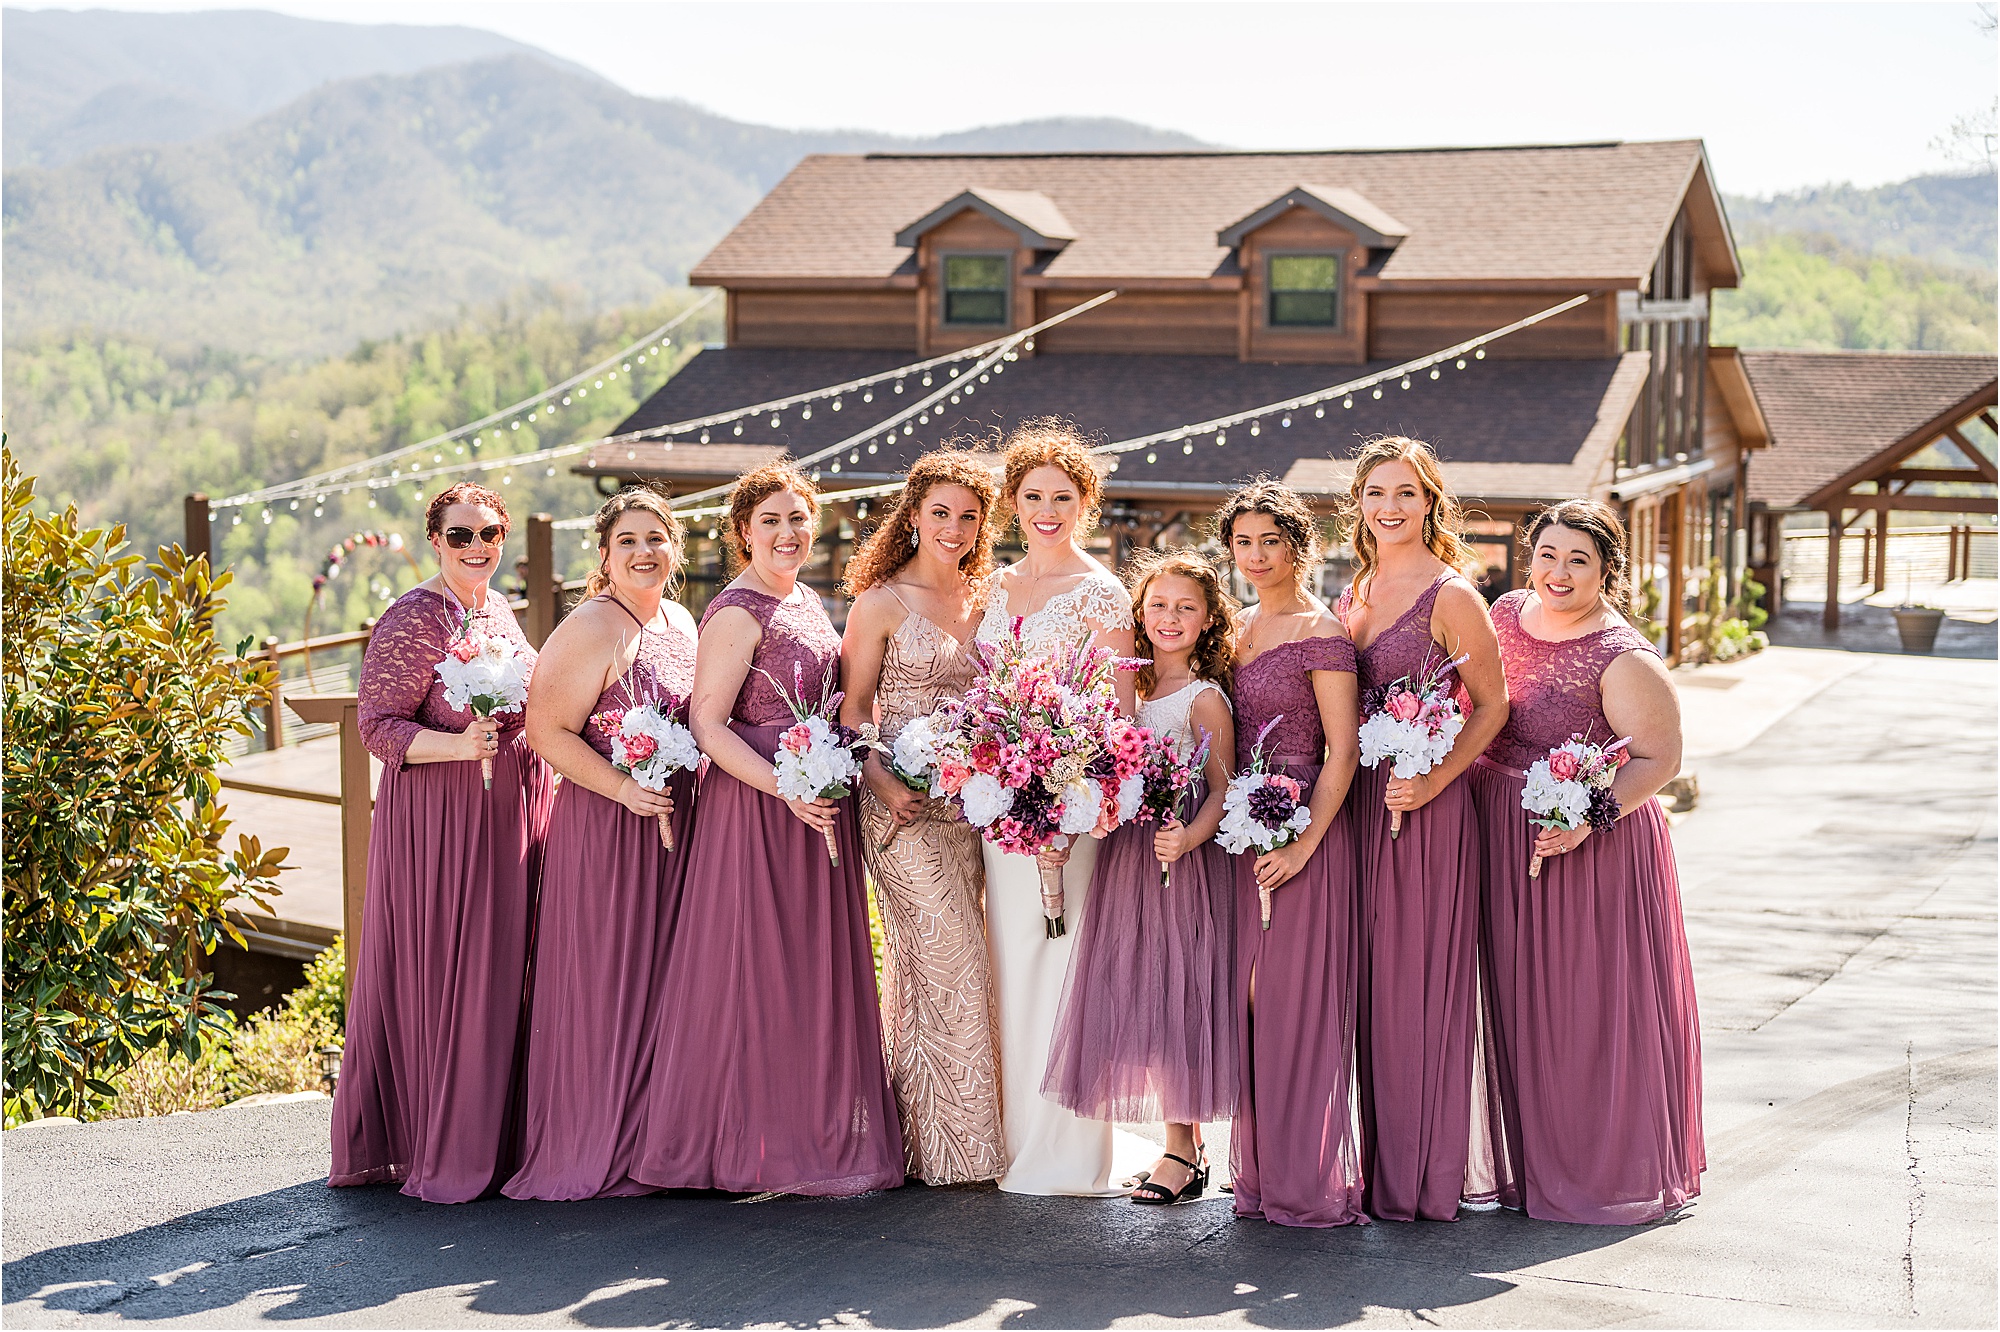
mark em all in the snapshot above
pixel 1147 1029
pixel 429 1081
pixel 767 1070
pixel 610 893
pixel 1593 1077
pixel 1419 910
pixel 1292 1147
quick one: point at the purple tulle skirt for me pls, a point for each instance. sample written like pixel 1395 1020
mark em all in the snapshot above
pixel 1414 1036
pixel 1293 1152
pixel 1147 1031
pixel 610 893
pixel 429 1081
pixel 1593 1054
pixel 767 1070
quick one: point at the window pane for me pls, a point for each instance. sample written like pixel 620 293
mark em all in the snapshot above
pixel 1303 272
pixel 1311 308
pixel 975 272
pixel 975 307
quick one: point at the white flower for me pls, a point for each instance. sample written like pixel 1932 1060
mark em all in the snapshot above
pixel 984 799
pixel 1082 802
pixel 1130 792
pixel 1545 797
pixel 494 681
pixel 1241 831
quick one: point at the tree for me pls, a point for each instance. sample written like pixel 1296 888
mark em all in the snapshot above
pixel 118 702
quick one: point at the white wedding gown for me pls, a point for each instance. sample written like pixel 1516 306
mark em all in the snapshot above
pixel 1049 1149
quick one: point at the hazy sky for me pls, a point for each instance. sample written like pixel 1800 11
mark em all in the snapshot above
pixel 1785 94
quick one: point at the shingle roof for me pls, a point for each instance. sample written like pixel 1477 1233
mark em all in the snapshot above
pixel 1587 211
pixel 1506 429
pixel 1830 412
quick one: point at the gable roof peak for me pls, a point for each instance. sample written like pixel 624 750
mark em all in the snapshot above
pixel 1031 214
pixel 1348 209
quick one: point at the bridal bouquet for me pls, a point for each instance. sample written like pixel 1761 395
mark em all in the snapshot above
pixel 817 758
pixel 1571 787
pixel 1169 773
pixel 651 746
pixel 913 758
pixel 1413 723
pixel 1036 752
pixel 486 673
pixel 1262 811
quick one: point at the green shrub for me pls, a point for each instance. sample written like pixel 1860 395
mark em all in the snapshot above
pixel 118 703
pixel 324 993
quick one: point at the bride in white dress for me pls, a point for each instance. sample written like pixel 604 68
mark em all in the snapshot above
pixel 1060 594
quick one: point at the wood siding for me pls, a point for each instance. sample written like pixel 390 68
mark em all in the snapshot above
pixel 968 232
pixel 1300 230
pixel 1186 323
pixel 1405 324
pixel 868 320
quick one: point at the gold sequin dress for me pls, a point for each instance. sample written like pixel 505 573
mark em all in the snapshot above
pixel 937 1007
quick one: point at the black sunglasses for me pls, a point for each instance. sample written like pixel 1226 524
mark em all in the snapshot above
pixel 458 538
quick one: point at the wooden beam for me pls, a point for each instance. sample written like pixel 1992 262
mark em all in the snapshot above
pixel 1674 511
pixel 543 589
pixel 1965 474
pixel 1924 503
pixel 356 810
pixel 1881 581
pixel 1972 454
pixel 1829 617
pixel 194 514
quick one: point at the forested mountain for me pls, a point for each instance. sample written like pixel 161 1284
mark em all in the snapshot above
pixel 1948 221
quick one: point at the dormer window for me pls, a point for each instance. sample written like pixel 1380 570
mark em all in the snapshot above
pixel 975 289
pixel 1304 290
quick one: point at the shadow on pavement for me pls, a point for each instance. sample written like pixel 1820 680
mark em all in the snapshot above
pixel 916 1257
pixel 1865 628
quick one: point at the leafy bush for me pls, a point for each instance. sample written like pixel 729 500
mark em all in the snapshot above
pixel 118 702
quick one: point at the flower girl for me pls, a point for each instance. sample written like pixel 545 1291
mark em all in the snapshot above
pixel 1146 1031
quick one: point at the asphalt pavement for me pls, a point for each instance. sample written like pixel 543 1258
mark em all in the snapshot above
pixel 1839 881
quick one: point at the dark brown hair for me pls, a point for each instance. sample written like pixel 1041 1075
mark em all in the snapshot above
pixel 643 499
pixel 888 548
pixel 1283 506
pixel 462 492
pixel 1215 649
pixel 1600 523
pixel 1050 441
pixel 1444 525
pixel 753 489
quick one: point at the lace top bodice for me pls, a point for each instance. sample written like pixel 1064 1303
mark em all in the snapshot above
pixel 400 693
pixel 1173 714
pixel 1403 649
pixel 922 665
pixel 661 674
pixel 796 634
pixel 1098 602
pixel 1279 682
pixel 1553 688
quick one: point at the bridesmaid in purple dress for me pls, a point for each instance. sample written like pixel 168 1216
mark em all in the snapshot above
pixel 1595 1054
pixel 768 1073
pixel 1292 1148
pixel 1409 610
pixel 429 1079
pixel 610 890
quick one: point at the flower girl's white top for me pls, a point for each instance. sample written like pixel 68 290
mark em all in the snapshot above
pixel 1173 714
pixel 1099 602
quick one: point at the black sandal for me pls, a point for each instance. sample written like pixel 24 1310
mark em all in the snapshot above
pixel 1150 1194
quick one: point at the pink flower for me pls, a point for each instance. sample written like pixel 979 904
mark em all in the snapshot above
pixel 608 722
pixel 639 748
pixel 1563 766
pixel 953 776
pixel 1019 770
pixel 1404 705
pixel 1289 784
pixel 464 649
pixel 798 739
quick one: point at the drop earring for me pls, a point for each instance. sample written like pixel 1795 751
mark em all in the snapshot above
pixel 913 538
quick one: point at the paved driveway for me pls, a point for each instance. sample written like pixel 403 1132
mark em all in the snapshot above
pixel 1839 880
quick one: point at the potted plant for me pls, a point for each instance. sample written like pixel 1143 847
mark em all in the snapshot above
pixel 1918 627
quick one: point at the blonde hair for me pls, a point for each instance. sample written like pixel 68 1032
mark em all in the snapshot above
pixel 889 547
pixel 640 498
pixel 753 489
pixel 1215 649
pixel 1293 517
pixel 1050 441
pixel 1444 523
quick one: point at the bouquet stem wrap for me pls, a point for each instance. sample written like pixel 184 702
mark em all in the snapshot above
pixel 666 822
pixel 832 847
pixel 1052 900
pixel 1395 824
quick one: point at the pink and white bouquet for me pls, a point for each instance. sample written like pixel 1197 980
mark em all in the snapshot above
pixel 817 758
pixel 1572 787
pixel 1413 723
pixel 1036 752
pixel 648 744
pixel 1170 771
pixel 486 673
pixel 913 758
pixel 1262 811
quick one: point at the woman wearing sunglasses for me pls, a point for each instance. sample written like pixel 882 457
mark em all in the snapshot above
pixel 430 1078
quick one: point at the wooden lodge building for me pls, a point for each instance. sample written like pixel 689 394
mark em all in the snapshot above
pixel 1246 278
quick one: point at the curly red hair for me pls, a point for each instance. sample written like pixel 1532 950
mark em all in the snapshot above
pixel 463 492
pixel 888 548
pixel 1050 441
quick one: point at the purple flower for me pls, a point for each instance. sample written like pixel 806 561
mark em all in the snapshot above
pixel 1603 812
pixel 1270 806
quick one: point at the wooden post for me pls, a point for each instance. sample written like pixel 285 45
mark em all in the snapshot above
pixel 194 515
pixel 1836 524
pixel 274 711
pixel 1867 556
pixel 544 592
pixel 357 810
pixel 1675 516
pixel 1881 549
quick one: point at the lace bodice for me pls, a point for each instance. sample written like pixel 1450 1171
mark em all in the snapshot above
pixel 661 674
pixel 921 665
pixel 1098 602
pixel 1279 681
pixel 796 633
pixel 1405 648
pixel 1173 714
pixel 1553 688
pixel 400 693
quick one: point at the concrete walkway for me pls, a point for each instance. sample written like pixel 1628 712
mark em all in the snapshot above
pixel 1840 892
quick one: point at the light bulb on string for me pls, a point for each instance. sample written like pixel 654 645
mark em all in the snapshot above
pixel 1347 402
pixel 583 393
pixel 460 451
pixel 507 479
pixel 835 465
pixel 267 517
pixel 807 413
pixel 776 420
pixel 1188 447
pixel 1406 381
pixel 1479 355
pixel 704 437
pixel 1029 345
pixel 899 386
pixel 565 399
pixel 954 375
pixel 836 404
pixel 236 521
pixel 1378 392
pixel 739 427
pixel 371 502
pixel 1255 429
pixel 600 383
pixel 1152 457
pixel 908 428
pixel 295 506
pixel 552 471
pixel 1434 372
pixel 317 512
pixel 923 418
pixel 927 377
pixel 970 389
pixel 1461 363
pixel 871 446
pixel 627 367
pixel 1319 412
pixel 854 456
pixel 983 379
pixel 515 424
pixel 531 416
pixel 1286 420
pixel 868 397
pixel 954 400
